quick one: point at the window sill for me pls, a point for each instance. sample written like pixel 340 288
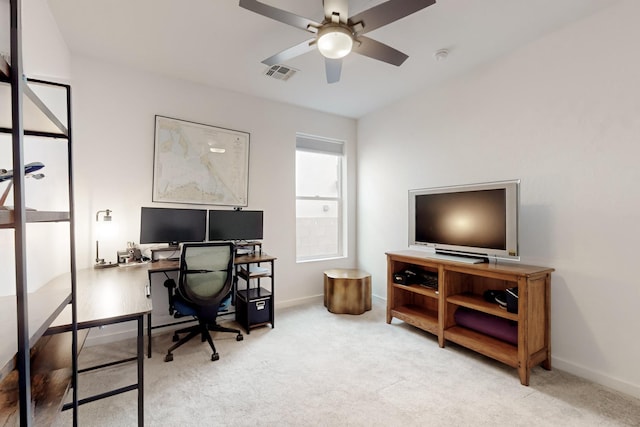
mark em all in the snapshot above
pixel 332 258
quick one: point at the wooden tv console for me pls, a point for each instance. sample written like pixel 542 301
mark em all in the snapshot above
pixel 463 285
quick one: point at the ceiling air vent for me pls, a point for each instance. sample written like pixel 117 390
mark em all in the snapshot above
pixel 280 72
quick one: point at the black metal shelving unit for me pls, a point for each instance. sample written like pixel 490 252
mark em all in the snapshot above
pixel 33 312
pixel 254 304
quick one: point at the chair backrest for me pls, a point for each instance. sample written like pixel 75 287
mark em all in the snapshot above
pixel 205 276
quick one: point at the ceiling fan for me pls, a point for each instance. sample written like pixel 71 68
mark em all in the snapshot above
pixel 338 34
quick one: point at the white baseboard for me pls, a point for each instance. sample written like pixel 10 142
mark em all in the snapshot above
pixel 596 376
pixel 299 301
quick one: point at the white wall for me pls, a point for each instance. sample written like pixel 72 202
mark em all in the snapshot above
pixel 563 115
pixel 114 111
pixel 45 53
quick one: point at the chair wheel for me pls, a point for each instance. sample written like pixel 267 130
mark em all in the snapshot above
pixel 175 338
pixel 214 357
pixel 168 357
pixel 239 337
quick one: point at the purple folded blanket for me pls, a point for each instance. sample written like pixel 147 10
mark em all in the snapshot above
pixel 497 327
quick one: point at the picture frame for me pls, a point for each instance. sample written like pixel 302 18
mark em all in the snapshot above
pixel 195 163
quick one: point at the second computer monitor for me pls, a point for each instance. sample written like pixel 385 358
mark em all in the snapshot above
pixel 173 226
pixel 235 225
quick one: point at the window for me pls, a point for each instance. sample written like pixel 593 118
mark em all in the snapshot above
pixel 319 202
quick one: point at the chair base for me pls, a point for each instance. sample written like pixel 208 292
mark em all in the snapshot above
pixel 201 329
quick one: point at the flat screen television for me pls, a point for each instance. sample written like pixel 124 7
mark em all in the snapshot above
pixel 235 225
pixel 475 222
pixel 173 226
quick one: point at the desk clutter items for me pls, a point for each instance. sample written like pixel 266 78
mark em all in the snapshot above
pixel 130 255
pixel 254 270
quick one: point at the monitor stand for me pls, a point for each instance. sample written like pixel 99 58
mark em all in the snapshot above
pixel 169 252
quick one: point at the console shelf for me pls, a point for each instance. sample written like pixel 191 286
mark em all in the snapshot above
pixel 476 302
pixel 483 344
pixel 462 286
pixel 418 290
pixel 417 316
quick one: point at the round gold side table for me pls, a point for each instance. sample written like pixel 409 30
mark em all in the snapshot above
pixel 347 291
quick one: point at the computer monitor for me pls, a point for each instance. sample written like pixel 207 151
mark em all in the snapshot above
pixel 235 225
pixel 173 226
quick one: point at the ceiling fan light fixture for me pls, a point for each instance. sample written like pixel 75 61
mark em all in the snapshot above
pixel 334 41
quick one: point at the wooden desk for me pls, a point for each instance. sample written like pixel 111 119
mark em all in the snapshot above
pixel 105 297
pixel 109 295
pixel 44 305
pixel 163 265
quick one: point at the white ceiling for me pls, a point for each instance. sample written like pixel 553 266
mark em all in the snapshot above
pixel 217 43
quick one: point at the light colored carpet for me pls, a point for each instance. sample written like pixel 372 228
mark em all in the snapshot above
pixel 316 368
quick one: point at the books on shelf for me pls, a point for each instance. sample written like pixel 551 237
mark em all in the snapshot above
pixel 254 270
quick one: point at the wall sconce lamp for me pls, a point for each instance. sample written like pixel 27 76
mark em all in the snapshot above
pixel 102 232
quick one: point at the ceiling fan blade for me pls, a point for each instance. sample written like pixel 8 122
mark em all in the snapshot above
pixel 380 51
pixel 387 13
pixel 333 68
pixel 292 52
pixel 341 7
pixel 280 15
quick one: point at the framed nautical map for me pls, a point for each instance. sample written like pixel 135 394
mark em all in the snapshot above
pixel 201 164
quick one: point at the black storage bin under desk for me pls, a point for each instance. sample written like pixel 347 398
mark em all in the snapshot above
pixel 254 307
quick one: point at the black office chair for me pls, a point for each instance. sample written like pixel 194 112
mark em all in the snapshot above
pixel 204 281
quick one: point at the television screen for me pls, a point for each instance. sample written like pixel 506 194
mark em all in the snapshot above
pixel 173 226
pixel 235 225
pixel 472 220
